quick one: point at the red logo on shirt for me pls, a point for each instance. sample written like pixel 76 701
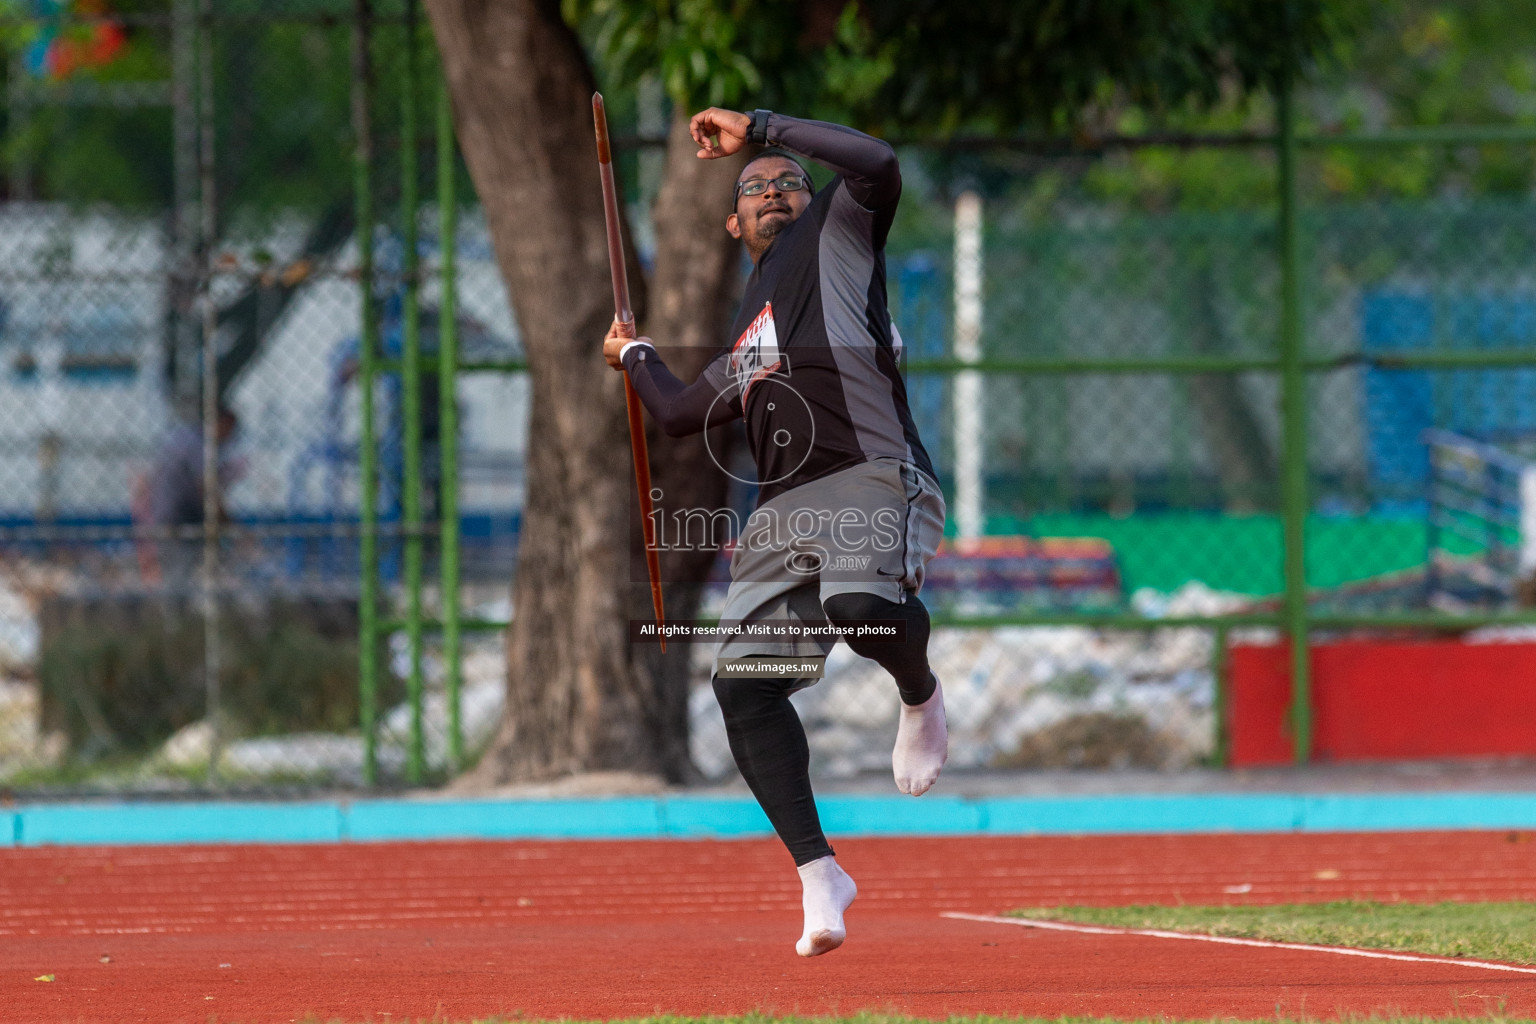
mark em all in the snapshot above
pixel 756 353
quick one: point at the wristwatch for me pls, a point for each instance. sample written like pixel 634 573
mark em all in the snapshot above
pixel 758 134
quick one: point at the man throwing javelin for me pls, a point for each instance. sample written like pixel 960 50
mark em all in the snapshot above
pixel 848 510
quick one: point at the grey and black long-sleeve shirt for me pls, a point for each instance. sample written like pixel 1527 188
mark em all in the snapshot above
pixel 812 365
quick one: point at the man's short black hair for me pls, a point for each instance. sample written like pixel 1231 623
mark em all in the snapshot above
pixel 810 183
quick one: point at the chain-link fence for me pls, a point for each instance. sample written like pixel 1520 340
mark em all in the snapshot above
pixel 1147 371
pixel 180 307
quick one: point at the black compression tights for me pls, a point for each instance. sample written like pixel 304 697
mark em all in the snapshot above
pixel 768 740
pixel 907 662
pixel 769 745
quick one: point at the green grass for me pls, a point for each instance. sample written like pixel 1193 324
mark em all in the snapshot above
pixel 1505 932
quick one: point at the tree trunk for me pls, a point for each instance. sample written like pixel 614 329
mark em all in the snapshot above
pixel 580 697
pixel 1245 463
pixel 693 297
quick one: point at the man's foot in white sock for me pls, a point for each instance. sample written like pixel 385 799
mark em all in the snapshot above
pixel 827 892
pixel 922 744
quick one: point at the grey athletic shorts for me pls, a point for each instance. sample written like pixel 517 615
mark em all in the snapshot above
pixel 868 529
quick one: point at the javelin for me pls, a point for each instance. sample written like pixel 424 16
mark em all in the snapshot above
pixel 624 315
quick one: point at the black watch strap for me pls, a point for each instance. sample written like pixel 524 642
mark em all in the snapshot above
pixel 759 133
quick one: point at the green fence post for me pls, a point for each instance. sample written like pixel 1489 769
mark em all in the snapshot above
pixel 448 406
pixel 1221 747
pixel 410 388
pixel 1293 403
pixel 368 552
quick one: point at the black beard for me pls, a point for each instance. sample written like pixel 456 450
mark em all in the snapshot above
pixel 768 230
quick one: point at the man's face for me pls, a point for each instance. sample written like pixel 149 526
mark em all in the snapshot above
pixel 758 219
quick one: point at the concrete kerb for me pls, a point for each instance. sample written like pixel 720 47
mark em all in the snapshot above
pixel 726 817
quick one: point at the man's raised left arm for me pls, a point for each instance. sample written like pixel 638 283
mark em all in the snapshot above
pixel 868 165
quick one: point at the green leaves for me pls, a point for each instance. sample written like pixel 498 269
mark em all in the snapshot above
pixel 806 55
pixel 921 65
pixel 692 45
pixel 1420 63
pixel 858 65
pixel 1050 64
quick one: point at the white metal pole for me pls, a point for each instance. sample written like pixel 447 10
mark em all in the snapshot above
pixel 968 406
pixel 48 364
pixel 1527 558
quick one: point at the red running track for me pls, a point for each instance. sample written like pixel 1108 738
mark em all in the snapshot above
pixel 456 930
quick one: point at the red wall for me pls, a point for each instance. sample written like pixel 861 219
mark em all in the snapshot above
pixel 1379 700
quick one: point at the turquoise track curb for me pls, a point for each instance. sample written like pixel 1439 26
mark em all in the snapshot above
pixel 708 817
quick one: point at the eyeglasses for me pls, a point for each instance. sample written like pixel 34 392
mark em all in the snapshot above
pixel 786 183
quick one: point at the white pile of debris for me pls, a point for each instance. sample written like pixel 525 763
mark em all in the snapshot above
pixel 338 757
pixel 22 743
pixel 1016 697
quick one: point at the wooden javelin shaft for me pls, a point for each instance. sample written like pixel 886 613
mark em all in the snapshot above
pixel 624 315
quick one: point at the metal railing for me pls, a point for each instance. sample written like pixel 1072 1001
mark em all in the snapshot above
pixel 1293 366
pixel 404 525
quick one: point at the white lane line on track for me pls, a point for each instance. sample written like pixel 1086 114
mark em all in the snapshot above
pixel 1157 933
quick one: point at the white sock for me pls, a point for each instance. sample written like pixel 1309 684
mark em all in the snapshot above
pixel 827 892
pixel 922 744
